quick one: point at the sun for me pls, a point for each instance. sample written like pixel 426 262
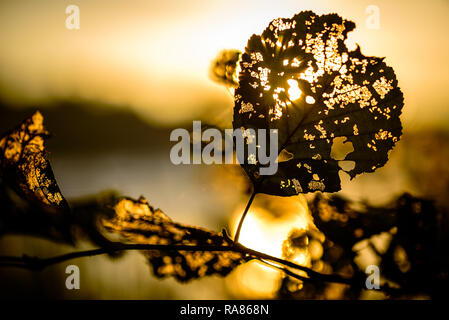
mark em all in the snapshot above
pixel 265 231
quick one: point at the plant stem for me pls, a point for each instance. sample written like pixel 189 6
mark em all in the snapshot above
pixel 34 263
pixel 285 270
pixel 242 218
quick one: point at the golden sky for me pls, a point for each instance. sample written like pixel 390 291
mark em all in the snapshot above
pixel 154 56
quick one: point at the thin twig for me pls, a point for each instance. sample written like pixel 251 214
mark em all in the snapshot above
pixel 311 273
pixel 242 218
pixel 285 270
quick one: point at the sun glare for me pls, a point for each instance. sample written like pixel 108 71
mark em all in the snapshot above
pixel 294 93
pixel 266 232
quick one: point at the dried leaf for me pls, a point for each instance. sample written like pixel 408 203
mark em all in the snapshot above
pixel 224 68
pixel 346 223
pixel 138 222
pixel 413 253
pixel 300 78
pixel 30 195
pixel 23 159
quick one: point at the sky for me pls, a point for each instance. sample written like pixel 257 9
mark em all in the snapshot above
pixel 154 56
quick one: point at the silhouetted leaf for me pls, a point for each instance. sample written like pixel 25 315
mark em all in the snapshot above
pixel 417 257
pixel 300 78
pixel 23 162
pixel 31 199
pixel 345 223
pixel 413 255
pixel 138 222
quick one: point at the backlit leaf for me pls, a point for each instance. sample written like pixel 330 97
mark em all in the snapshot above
pixel 138 222
pixel 30 196
pixel 300 78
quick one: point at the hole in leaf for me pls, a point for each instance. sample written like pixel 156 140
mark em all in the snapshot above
pixel 341 147
pixel 284 155
pixel 310 100
pixel 346 165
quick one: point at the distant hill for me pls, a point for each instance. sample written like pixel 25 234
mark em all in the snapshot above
pixel 83 126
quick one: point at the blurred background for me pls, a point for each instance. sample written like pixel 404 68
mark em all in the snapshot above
pixel 112 91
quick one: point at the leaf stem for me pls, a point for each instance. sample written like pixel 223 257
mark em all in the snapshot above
pixel 242 218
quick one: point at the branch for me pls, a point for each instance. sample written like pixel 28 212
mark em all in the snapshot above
pixel 35 263
pixel 286 271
